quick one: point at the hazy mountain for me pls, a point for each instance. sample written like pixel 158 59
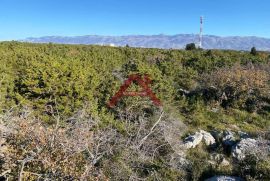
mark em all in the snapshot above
pixel 162 41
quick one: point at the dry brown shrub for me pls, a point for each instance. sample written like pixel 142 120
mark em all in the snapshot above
pixel 240 86
pixel 40 152
pixel 242 78
pixel 83 148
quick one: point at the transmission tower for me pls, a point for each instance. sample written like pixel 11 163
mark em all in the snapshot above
pixel 201 31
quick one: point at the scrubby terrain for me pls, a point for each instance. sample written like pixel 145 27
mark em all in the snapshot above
pixel 56 125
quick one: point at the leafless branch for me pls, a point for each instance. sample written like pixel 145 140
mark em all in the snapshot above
pixel 151 130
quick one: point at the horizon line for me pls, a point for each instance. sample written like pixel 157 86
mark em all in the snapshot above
pixel 160 34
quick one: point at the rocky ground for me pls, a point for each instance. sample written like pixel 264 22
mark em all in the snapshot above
pixel 236 147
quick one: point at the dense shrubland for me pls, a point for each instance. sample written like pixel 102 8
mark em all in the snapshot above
pixel 53 106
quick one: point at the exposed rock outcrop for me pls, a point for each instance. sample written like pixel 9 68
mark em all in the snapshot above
pixel 208 138
pixel 193 140
pixel 250 146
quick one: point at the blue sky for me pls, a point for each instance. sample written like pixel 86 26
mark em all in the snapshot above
pixel 34 18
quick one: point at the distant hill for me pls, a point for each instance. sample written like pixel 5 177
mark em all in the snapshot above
pixel 162 41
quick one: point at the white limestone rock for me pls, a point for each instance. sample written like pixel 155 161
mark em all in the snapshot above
pixel 193 140
pixel 224 178
pixel 250 146
pixel 208 138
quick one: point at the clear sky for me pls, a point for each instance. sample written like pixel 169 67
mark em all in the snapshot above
pixel 34 18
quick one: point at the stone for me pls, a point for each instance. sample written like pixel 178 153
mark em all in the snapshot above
pixel 193 140
pixel 240 150
pixel 228 138
pixel 208 138
pixel 250 146
pixel 224 178
pixel 243 135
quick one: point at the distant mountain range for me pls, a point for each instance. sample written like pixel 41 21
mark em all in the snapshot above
pixel 162 41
